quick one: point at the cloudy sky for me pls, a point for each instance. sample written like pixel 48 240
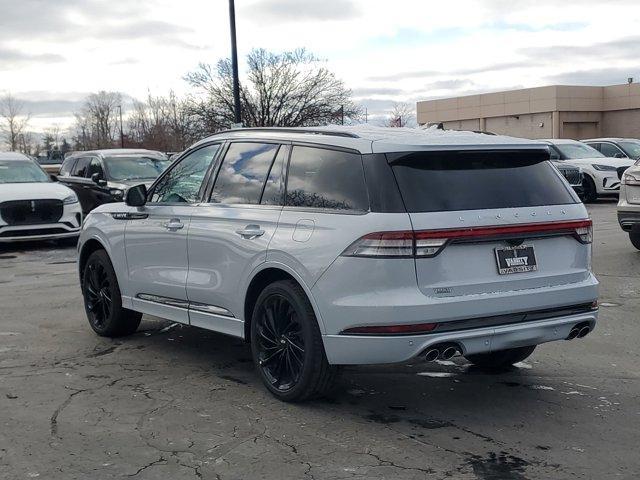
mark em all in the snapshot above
pixel 54 52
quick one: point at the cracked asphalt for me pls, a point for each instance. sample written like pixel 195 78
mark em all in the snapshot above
pixel 174 402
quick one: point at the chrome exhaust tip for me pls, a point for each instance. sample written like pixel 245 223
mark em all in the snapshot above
pixel 573 333
pixel 584 331
pixel 448 353
pixel 432 355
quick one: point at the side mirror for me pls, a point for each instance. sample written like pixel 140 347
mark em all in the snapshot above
pixel 136 196
pixel 619 155
pixel 97 179
pixel 53 177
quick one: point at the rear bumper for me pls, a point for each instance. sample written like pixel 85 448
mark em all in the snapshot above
pixel 359 350
pixel 629 218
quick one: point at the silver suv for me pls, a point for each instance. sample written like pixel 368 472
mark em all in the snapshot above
pixel 328 247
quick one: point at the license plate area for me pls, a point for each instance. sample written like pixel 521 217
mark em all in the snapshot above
pixel 518 259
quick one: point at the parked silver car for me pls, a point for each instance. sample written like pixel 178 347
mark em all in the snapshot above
pixel 336 246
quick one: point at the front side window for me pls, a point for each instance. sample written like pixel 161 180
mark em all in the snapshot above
pixel 94 167
pixel 243 173
pixel 182 183
pixel 21 171
pixel 322 178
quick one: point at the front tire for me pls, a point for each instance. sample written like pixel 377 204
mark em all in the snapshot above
pixel 634 236
pixel 287 345
pixel 501 359
pixel 590 194
pixel 102 299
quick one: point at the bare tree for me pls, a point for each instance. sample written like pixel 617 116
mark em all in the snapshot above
pixel 162 123
pixel 97 122
pixel 289 89
pixel 14 122
pixel 402 115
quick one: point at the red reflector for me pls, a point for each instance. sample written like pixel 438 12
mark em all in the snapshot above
pixel 391 329
pixel 478 232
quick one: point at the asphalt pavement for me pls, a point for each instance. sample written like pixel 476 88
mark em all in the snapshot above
pixel 173 402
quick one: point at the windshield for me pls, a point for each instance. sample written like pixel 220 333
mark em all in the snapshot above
pixel 577 150
pixel 21 171
pixel 632 149
pixel 135 168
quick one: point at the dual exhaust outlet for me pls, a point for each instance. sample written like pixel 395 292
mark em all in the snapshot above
pixel 443 351
pixel 579 331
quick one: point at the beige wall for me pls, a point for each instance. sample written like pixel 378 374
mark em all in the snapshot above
pixel 622 123
pixel 525 126
pixel 565 111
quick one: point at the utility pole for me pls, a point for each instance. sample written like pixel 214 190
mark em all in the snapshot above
pixel 84 138
pixel 234 63
pixel 119 107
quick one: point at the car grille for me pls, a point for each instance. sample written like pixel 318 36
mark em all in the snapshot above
pixel 31 212
pixel 621 171
pixel 573 175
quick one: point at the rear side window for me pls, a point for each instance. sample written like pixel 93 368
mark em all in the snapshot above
pixel 243 173
pixel 321 178
pixel 449 181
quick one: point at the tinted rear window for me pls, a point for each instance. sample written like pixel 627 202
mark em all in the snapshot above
pixel 434 182
pixel 326 179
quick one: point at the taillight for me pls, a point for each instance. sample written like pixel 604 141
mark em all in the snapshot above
pixel 428 243
pixel 382 244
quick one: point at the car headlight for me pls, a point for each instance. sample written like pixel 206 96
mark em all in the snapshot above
pixel 116 193
pixel 604 168
pixel 71 199
pixel 631 179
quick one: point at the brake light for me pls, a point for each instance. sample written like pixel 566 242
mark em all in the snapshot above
pixel 428 243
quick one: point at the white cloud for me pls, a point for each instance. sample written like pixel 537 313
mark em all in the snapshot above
pixel 385 51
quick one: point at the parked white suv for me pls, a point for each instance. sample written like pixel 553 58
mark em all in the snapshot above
pixel 629 204
pixel 328 247
pixel 601 175
pixel 32 206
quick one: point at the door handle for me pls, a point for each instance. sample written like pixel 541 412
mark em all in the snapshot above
pixel 173 225
pixel 250 232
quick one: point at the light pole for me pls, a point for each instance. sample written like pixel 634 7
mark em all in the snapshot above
pixel 234 63
pixel 119 107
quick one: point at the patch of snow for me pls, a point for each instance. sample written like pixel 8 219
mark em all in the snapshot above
pixel 541 387
pixel 574 392
pixel 447 363
pixel 522 365
pixel 437 374
pixel 169 327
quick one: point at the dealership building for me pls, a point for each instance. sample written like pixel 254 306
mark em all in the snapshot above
pixel 556 111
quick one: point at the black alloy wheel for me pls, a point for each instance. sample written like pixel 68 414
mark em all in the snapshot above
pixel 287 345
pixel 99 294
pixel 103 301
pixel 281 346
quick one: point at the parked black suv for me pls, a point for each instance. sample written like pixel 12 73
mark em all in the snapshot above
pixel 101 176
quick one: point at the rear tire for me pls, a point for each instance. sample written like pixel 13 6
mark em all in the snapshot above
pixel 102 299
pixel 590 194
pixel 634 236
pixel 287 345
pixel 502 358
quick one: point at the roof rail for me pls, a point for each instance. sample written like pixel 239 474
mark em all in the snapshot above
pixel 313 131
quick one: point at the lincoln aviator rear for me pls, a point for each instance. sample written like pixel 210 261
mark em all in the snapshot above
pixel 348 246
